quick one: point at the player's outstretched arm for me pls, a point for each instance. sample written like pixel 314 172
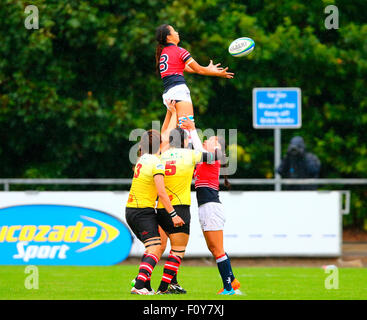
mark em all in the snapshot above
pixel 211 70
pixel 166 121
pixel 163 197
pixel 196 142
pixel 207 156
pixel 170 123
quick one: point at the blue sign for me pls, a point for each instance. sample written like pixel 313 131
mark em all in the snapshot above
pixel 276 108
pixel 61 235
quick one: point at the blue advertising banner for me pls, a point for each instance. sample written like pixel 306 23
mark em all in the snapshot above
pixel 61 235
pixel 276 108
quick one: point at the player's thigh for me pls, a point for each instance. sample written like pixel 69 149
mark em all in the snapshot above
pixel 143 222
pixel 164 238
pixel 184 109
pixel 179 239
pixel 211 216
pixel 165 220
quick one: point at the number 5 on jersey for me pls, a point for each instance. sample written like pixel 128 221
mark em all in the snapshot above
pixel 170 168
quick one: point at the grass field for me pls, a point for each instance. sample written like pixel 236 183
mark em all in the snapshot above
pixel 202 283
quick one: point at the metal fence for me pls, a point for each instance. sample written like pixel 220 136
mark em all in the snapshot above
pixel 345 198
pixel 8 182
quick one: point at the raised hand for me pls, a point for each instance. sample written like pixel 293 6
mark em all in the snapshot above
pixel 224 74
pixel 187 124
pixel 219 71
pixel 171 105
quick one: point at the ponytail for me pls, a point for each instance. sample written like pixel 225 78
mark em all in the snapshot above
pixel 222 143
pixel 139 155
pixel 161 36
pixel 226 182
pixel 158 51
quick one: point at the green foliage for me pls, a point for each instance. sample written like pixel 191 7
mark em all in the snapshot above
pixel 72 91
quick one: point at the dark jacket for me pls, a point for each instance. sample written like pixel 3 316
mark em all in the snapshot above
pixel 299 164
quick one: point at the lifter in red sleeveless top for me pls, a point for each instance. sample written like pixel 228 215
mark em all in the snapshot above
pixel 211 210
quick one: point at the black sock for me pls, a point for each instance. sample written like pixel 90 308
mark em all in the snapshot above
pixel 230 266
pixel 224 267
pixel 174 279
pixel 147 285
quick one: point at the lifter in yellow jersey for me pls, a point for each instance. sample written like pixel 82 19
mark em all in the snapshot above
pixel 179 165
pixel 147 184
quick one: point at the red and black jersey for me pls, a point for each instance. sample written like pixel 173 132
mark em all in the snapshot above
pixel 172 65
pixel 207 182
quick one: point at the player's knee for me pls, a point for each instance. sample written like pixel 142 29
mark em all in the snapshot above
pixel 153 246
pixel 163 244
pixel 216 252
pixel 162 248
pixel 178 251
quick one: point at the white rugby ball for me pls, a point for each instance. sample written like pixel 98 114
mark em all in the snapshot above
pixel 241 47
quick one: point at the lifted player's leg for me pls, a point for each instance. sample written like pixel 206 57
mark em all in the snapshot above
pixel 185 110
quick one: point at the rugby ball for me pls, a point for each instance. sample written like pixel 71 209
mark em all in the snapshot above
pixel 241 47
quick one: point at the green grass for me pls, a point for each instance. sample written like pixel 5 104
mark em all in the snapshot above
pixel 76 283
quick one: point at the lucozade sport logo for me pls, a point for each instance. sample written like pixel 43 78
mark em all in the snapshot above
pixel 66 235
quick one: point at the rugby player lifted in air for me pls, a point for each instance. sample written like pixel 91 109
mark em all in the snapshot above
pixel 171 62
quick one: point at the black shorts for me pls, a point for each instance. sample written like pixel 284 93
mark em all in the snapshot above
pixel 165 220
pixel 143 222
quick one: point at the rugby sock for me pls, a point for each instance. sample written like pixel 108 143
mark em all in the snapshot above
pixel 174 279
pixel 169 271
pixel 181 119
pixel 147 284
pixel 224 267
pixel 230 266
pixel 145 269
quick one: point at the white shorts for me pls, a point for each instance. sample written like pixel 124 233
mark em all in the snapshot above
pixel 211 216
pixel 179 92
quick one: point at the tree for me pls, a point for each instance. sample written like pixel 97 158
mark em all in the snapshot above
pixel 72 91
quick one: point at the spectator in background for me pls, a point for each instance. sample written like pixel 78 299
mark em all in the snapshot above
pixel 299 164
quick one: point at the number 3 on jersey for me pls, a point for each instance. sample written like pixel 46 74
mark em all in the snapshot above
pixel 170 168
pixel 163 66
pixel 138 167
